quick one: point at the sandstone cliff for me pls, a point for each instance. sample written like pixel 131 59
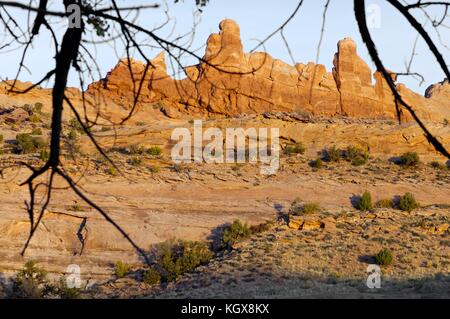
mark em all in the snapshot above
pixel 230 82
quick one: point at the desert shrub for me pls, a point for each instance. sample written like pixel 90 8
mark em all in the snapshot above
pixel 409 159
pixel 105 129
pixel 74 124
pixel 111 171
pixel 356 156
pixel 332 154
pixel 65 292
pixel 256 229
pixel 31 282
pixel 26 143
pixel 38 107
pixel 408 202
pixel 317 164
pixel 385 203
pixel 178 257
pixel 365 202
pixel 140 123
pixel 437 165
pixel 44 155
pixel 296 148
pixel 34 118
pixel 121 269
pixel 135 161
pixel 154 151
pixel 1 138
pixel 154 169
pixel 152 277
pixel 384 257
pixel 36 131
pixel 234 233
pixel 303 209
pixel 136 149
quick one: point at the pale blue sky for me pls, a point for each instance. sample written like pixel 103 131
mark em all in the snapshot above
pixel 257 19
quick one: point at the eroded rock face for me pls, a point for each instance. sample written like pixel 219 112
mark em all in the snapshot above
pixel 230 82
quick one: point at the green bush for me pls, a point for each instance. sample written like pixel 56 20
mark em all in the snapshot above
pixel 365 202
pixel 64 292
pixel 408 202
pixel 154 169
pixel 152 277
pixel 385 203
pixel 437 165
pixel 234 233
pixel 112 171
pixel 31 282
pixel 74 124
pixel 384 257
pixel 36 131
pixel 38 107
pixel 140 123
pixel 121 269
pixel 410 159
pixel 136 149
pixel 318 163
pixel 154 151
pixel 332 154
pixel 44 155
pixel 297 208
pixel 356 156
pixel 135 161
pixel 34 118
pixel 178 257
pixel 296 148
pixel 26 143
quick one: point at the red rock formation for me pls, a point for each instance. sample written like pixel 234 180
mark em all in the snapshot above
pixel 230 82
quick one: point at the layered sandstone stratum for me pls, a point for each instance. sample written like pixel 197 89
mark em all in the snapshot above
pixel 231 82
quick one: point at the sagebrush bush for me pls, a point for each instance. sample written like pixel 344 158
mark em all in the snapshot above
pixel 437 165
pixel 365 202
pixel 296 148
pixel 318 163
pixel 356 156
pixel 409 159
pixel 136 149
pixel 332 154
pixel 408 202
pixel 140 123
pixel 121 269
pixel 384 257
pixel 1 139
pixel 26 143
pixel 385 203
pixel 234 233
pixel 38 107
pixel 135 161
pixel 31 282
pixel 44 155
pixel 297 208
pixel 74 124
pixel 178 257
pixel 154 169
pixel 36 131
pixel 152 277
pixel 34 118
pixel 154 151
pixel 65 292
